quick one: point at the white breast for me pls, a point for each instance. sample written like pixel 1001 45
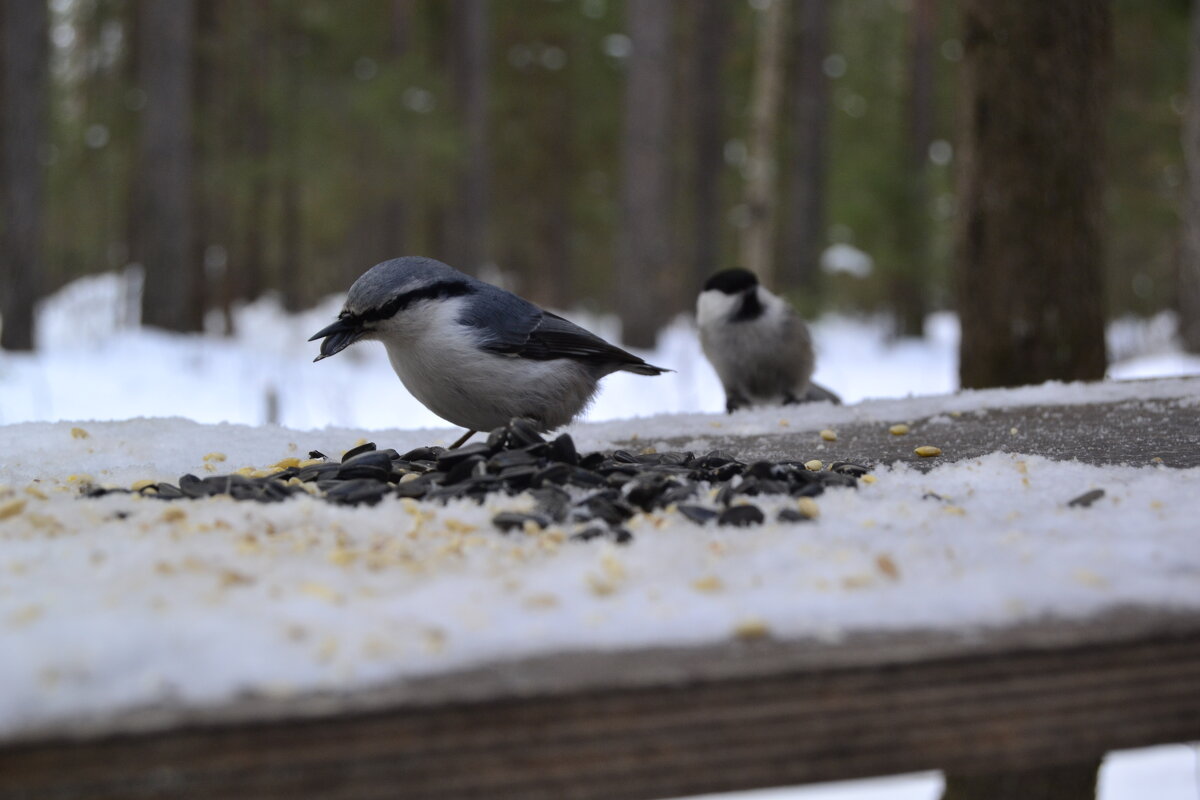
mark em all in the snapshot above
pixel 440 363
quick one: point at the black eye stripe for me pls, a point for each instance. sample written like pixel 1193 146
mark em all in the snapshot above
pixel 436 291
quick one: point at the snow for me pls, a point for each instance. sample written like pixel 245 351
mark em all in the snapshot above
pixel 120 602
pixel 848 259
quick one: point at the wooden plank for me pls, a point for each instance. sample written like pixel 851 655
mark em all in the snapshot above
pixel 748 716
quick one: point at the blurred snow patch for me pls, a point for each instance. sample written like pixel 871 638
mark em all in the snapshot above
pixel 848 259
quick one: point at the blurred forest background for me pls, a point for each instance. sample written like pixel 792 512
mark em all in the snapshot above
pixel 599 153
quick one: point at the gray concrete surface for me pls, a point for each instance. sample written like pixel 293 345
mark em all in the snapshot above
pixel 1104 433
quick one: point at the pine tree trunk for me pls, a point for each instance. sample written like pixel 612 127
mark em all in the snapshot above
pixel 1071 782
pixel 251 271
pixel 804 237
pixel 23 27
pixel 1189 256
pixel 467 241
pixel 712 29
pixel 756 252
pixel 910 284
pixel 394 208
pixel 644 239
pixel 170 298
pixel 1029 243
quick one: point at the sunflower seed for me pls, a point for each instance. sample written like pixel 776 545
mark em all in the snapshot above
pixel 741 516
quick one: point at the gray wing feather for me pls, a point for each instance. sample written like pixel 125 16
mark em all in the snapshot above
pixel 512 326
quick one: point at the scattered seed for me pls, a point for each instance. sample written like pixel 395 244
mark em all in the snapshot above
pixel 79 433
pixel 741 516
pixel 512 520
pixel 828 435
pixel 887 566
pixel 928 451
pixel 814 465
pixel 792 515
pixel 808 507
pixel 11 508
pixel 1086 499
pixel 698 514
pixel 899 429
pixel 752 628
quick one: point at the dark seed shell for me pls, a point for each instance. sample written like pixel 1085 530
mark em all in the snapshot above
pixel 450 458
pixel 423 454
pixel 792 515
pixel 563 450
pixel 849 468
pixel 464 469
pixel 365 447
pixel 741 516
pixel 523 432
pixel 1086 499
pixel 698 514
pixel 167 491
pixel 512 520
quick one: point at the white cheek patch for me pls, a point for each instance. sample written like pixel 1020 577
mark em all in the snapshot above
pixel 713 305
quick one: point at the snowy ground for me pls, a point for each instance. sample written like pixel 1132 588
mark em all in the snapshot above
pixel 118 602
pixel 92 364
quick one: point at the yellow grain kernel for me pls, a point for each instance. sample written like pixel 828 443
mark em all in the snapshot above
pixel 24 615
pixel 868 479
pixel 284 463
pixel 928 451
pixel 899 429
pixel 751 628
pixel 320 591
pixel 11 508
pixel 34 491
pixel 814 465
pixel 82 477
pixel 538 601
pixel 708 584
pixel 79 433
pixel 887 566
pixel 144 483
pixel 342 557
pixel 808 507
pixel 829 435
pixel 214 457
pixel 308 462
pixel 174 514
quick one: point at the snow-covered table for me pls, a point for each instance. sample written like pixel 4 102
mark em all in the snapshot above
pixel 955 613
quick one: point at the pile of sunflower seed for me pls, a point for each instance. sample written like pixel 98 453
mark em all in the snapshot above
pixel 609 488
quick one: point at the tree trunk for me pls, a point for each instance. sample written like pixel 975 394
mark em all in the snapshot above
pixel 23 26
pixel 712 34
pixel 467 241
pixel 1189 256
pixel 1029 244
pixel 170 297
pixel 910 283
pixel 644 238
pixel 805 237
pixel 758 236
pixel 1071 782
pixel 250 272
pixel 394 209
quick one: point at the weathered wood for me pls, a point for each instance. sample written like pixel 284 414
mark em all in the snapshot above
pixel 671 722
